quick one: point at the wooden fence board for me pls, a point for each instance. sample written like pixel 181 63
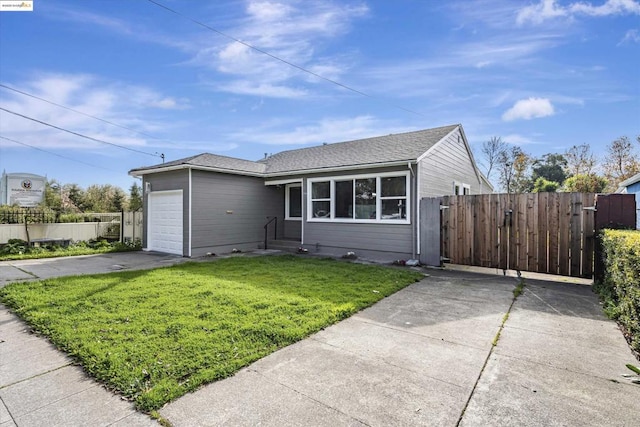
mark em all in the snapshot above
pixel 564 228
pixel 543 233
pixel 576 234
pixel 503 221
pixel 532 232
pixel 553 216
pixel 494 228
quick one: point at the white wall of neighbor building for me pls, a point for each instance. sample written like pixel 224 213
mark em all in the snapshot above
pixel 75 231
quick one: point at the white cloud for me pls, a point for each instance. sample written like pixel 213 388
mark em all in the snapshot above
pixel 517 139
pixel 528 109
pixel 610 7
pixel 129 106
pixel 247 87
pixel 631 36
pixel 550 9
pixel 292 31
pixel 326 130
pixel 537 13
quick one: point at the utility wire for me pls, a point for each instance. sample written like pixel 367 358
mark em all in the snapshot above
pixel 76 111
pixel 56 154
pixel 270 55
pixel 81 135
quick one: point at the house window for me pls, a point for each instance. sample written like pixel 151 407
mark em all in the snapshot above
pixel 377 198
pixel 460 189
pixel 321 199
pixel 393 195
pixel 293 201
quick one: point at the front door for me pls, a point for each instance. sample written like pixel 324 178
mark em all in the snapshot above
pixel 293 211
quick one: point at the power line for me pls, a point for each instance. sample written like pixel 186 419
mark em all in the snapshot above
pixel 55 154
pixel 81 135
pixel 75 111
pixel 270 55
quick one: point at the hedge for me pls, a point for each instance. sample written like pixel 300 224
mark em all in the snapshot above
pixel 621 285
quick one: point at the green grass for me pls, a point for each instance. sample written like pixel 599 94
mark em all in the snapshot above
pixel 63 252
pixel 22 250
pixel 155 335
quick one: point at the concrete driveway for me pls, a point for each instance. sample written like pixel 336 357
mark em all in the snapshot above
pixel 423 356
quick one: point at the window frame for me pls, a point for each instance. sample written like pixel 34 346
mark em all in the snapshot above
pixel 379 198
pixel 461 189
pixel 287 202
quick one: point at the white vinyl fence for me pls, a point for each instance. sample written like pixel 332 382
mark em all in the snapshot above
pixel 109 226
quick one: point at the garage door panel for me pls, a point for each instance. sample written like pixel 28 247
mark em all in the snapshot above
pixel 165 222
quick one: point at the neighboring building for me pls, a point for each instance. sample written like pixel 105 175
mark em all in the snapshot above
pixel 632 186
pixel 360 196
pixel 22 189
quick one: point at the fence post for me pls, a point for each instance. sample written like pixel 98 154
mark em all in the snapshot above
pixel 121 225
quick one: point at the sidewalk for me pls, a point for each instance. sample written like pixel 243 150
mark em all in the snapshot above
pixel 423 356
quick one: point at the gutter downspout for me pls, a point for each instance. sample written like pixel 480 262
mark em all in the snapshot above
pixel 415 219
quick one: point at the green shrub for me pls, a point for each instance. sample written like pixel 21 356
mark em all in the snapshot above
pixel 621 286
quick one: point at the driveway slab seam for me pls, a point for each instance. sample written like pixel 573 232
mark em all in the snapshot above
pixel 559 368
pixel 24 271
pixel 360 319
pixel 54 402
pixel 486 360
pixel 39 374
pixel 13 418
pixel 274 381
pixel 386 362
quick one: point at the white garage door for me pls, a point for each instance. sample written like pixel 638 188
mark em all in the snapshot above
pixel 165 222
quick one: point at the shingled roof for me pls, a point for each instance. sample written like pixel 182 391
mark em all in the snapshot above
pixel 381 150
pixel 211 161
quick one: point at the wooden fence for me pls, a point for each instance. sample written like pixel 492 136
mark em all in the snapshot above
pixel 540 232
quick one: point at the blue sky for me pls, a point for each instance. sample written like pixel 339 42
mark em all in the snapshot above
pixel 544 75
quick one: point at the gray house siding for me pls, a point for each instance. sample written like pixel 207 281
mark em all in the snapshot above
pixel 229 211
pixel 164 181
pixel 292 229
pixel 377 241
pixel 448 161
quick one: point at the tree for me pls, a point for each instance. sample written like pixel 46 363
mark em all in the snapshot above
pixel 135 197
pixel 551 167
pixel 542 185
pixel 52 194
pixel 585 183
pixel 491 151
pixel 103 198
pixel 621 162
pixel 580 160
pixel 118 200
pixel 514 165
pixel 75 195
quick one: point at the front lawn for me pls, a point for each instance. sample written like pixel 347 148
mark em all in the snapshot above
pixel 155 335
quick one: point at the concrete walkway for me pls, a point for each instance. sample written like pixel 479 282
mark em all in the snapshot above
pixel 423 356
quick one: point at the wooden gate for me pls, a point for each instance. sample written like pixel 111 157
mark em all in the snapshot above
pixel 540 232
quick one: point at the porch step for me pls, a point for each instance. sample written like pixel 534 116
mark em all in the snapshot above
pixel 283 245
